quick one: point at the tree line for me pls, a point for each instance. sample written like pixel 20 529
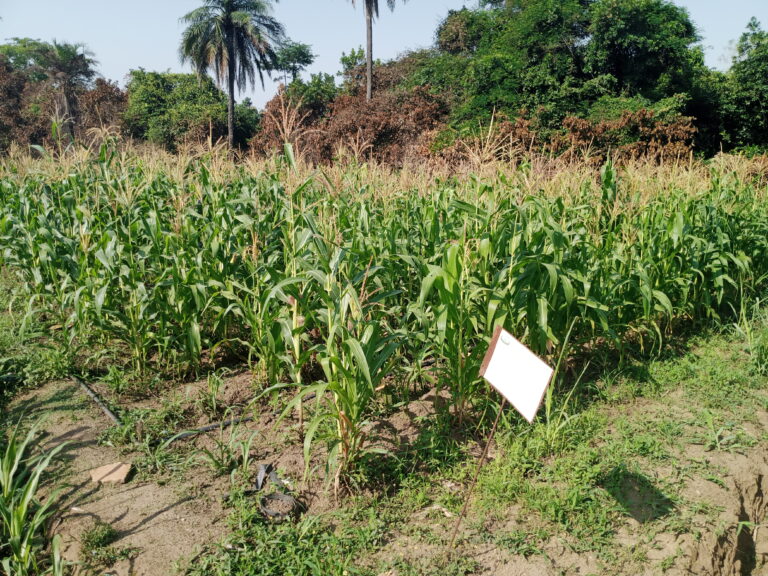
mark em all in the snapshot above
pixel 569 76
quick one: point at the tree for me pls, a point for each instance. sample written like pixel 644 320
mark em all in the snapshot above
pixel 315 95
pixel 351 66
pixel 25 55
pixel 235 38
pixel 514 55
pixel 548 39
pixel 462 31
pixel 746 115
pixel 68 69
pixel 293 57
pixel 371 12
pixel 169 109
pixel 102 107
pixel 11 91
pixel 647 45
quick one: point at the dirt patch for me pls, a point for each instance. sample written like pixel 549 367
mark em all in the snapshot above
pixel 161 520
pixel 157 524
pixel 739 545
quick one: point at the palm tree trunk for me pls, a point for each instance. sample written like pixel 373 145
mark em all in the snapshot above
pixel 231 71
pixel 64 109
pixel 369 51
pixel 231 105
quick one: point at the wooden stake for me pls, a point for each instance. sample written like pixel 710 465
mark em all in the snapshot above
pixel 471 487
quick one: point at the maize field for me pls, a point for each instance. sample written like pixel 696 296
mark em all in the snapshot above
pixel 333 289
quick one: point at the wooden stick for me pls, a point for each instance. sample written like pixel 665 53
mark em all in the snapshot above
pixel 471 487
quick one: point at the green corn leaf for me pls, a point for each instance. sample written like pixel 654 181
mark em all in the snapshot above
pixel 665 304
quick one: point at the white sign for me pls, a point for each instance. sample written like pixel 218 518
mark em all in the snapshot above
pixel 516 372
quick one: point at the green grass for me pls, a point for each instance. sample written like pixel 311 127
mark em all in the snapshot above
pixel 625 459
pixel 585 492
pixel 312 546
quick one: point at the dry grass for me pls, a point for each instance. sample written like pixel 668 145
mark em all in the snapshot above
pixel 525 174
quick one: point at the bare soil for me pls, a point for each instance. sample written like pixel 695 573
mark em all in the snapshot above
pixel 164 521
pixel 157 522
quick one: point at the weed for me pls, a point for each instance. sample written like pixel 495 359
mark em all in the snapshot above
pixel 230 454
pixel 156 457
pixel 668 562
pixel 146 426
pixel 116 381
pixel 759 350
pixel 309 547
pixel 99 535
pixel 96 545
pixel 725 436
pixel 462 566
pixel 557 420
pixel 523 543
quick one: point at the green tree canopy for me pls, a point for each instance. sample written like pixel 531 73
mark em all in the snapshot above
pixel 170 109
pixel 293 57
pixel 746 108
pixel 314 95
pixel 550 59
pixel 646 45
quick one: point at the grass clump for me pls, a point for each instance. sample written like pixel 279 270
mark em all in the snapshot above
pixel 96 545
pixel 309 547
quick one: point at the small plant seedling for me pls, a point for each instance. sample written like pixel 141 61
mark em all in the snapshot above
pixel 724 437
pixel 116 381
pixel 208 401
pixel 96 545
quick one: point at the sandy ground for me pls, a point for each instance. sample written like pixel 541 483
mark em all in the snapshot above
pixel 158 523
pixel 165 521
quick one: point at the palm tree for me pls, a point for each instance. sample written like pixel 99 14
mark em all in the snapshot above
pixel 236 39
pixel 70 69
pixel 371 12
pixel 66 69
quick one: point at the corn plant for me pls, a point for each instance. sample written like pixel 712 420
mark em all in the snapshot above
pixel 355 357
pixel 458 322
pixel 296 237
pixel 175 265
pixel 23 518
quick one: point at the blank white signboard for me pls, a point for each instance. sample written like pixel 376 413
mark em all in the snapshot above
pixel 516 372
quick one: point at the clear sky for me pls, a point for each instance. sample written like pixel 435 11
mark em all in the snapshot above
pixel 146 33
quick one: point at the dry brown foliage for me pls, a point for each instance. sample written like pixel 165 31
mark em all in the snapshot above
pixel 394 127
pixel 11 87
pixel 283 120
pixel 636 135
pixel 102 106
pixel 502 140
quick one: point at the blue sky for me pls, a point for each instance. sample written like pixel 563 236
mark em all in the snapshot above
pixel 146 33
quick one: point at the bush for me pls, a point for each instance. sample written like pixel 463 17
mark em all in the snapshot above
pixel 640 134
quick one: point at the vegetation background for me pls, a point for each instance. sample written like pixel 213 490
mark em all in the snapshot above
pixel 578 77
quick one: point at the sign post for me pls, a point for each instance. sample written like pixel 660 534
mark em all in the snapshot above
pixel 521 378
